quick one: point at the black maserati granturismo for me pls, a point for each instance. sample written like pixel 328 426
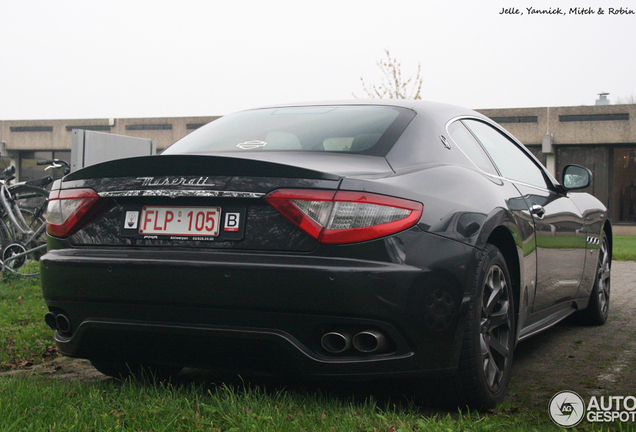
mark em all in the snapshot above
pixel 361 239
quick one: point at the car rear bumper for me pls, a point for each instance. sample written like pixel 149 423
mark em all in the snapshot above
pixel 262 311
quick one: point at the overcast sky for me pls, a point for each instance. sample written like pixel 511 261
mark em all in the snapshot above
pixel 140 58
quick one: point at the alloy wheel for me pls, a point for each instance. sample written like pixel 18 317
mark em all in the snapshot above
pixel 603 277
pixel 495 328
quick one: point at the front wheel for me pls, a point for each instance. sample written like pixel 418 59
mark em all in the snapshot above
pixel 489 337
pixel 598 308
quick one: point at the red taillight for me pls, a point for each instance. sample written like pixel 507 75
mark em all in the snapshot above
pixel 68 210
pixel 345 216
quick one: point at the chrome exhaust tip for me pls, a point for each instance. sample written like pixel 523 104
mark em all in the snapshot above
pixel 369 341
pixel 49 319
pixel 63 323
pixel 335 342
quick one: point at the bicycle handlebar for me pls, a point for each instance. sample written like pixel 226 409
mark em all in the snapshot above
pixel 56 163
pixel 53 161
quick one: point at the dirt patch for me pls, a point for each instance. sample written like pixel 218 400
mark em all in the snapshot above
pixel 592 361
pixel 62 369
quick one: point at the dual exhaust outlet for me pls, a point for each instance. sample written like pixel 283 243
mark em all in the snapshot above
pixel 365 342
pixel 58 321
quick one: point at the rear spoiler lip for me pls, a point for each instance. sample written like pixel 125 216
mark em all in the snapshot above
pixel 195 165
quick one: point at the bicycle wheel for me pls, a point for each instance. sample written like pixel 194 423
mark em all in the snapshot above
pixel 5 240
pixel 22 252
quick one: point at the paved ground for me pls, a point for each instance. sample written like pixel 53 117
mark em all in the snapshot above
pixel 587 360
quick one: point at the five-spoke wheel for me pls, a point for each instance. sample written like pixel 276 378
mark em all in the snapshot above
pixel 489 337
pixel 597 310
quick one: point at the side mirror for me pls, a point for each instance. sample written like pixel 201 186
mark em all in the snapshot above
pixel 576 177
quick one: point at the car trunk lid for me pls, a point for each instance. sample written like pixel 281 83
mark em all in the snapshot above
pixel 206 201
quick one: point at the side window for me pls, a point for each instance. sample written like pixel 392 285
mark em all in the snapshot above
pixel 512 162
pixel 466 141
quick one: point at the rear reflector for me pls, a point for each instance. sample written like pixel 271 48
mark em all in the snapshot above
pixel 69 210
pixel 345 216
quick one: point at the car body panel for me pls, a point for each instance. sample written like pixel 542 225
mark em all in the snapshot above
pixel 327 289
pixel 265 298
pixel 560 237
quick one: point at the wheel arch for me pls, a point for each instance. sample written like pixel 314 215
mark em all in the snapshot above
pixel 607 227
pixel 502 238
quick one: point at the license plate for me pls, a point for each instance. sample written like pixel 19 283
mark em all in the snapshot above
pixel 180 221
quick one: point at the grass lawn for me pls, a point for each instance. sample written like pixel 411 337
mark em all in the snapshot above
pixel 24 338
pixel 624 248
pixel 28 404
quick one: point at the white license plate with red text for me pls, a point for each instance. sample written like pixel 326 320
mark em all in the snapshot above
pixel 182 221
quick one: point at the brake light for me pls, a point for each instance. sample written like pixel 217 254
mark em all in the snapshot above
pixel 339 217
pixel 69 210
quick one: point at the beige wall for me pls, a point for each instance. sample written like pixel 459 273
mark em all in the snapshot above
pixel 577 132
pixel 564 133
pixel 59 138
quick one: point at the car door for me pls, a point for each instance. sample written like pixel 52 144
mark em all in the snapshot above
pixel 559 226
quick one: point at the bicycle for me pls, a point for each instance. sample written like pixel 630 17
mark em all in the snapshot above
pixel 23 220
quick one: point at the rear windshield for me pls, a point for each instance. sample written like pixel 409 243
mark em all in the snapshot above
pixel 350 129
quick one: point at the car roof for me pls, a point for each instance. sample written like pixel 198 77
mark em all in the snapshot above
pixel 435 110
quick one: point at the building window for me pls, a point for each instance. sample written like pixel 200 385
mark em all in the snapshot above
pixel 149 127
pixel 624 189
pixel 517 119
pixel 191 126
pixel 31 128
pixel 97 128
pixel 593 117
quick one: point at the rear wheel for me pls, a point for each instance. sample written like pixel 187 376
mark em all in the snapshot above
pixel 489 337
pixel 121 369
pixel 598 308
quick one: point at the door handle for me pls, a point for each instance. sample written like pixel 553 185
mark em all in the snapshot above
pixel 538 210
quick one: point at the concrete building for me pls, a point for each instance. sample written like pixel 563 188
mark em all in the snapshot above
pixel 24 142
pixel 601 137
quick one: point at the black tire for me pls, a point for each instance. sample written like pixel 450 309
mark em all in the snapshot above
pixel 121 370
pixel 489 337
pixel 597 309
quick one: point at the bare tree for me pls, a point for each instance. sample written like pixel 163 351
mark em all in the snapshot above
pixel 626 100
pixel 393 85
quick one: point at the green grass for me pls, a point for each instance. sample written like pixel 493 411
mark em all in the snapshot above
pixel 24 338
pixel 28 404
pixel 624 248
